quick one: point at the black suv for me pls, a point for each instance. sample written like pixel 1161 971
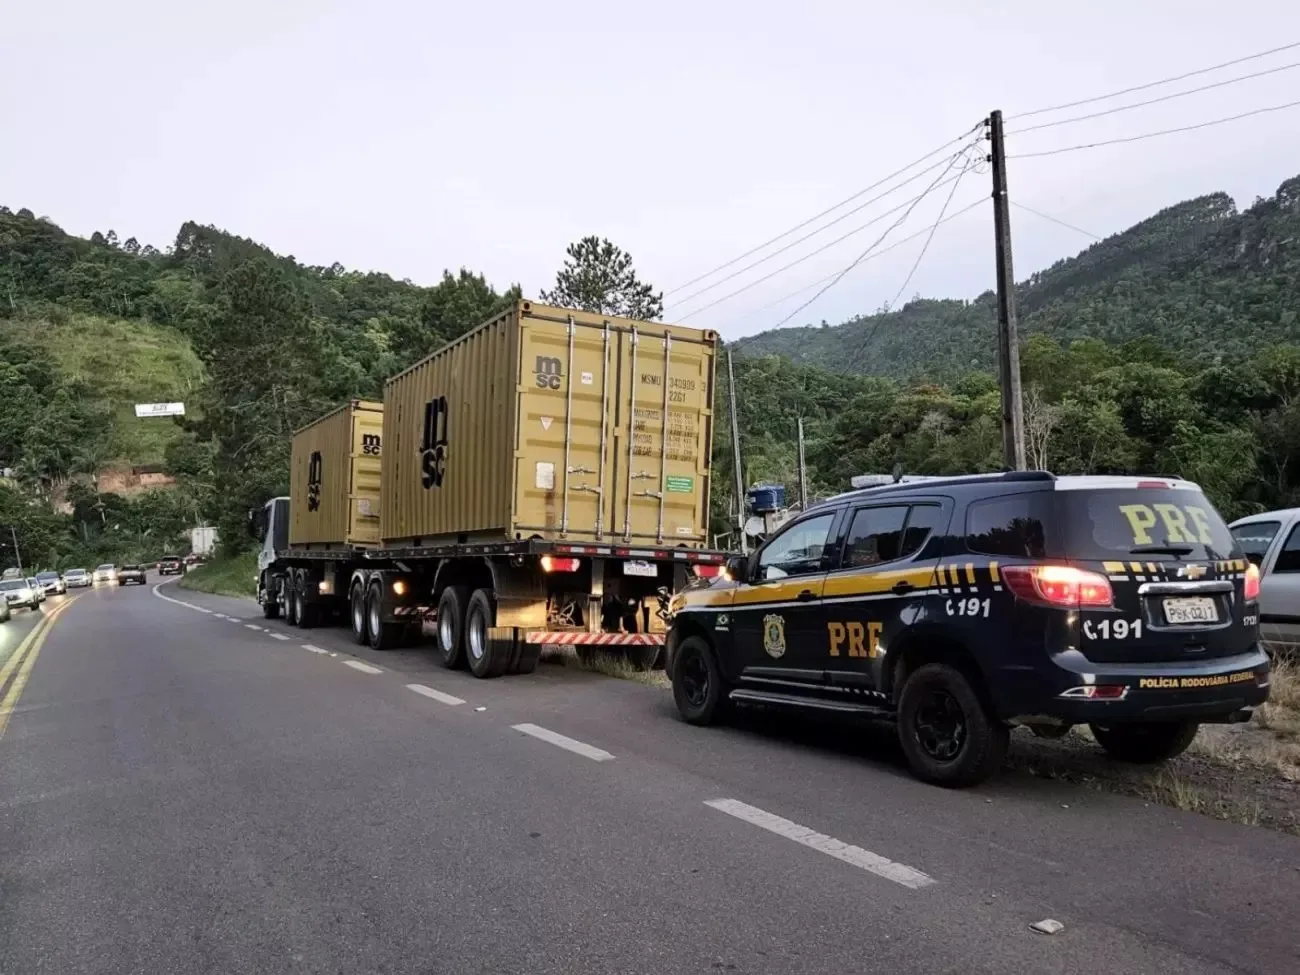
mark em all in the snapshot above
pixel 961 607
pixel 170 565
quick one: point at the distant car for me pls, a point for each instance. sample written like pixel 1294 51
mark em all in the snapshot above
pixel 76 578
pixel 52 583
pixel 12 573
pixel 170 565
pixel 20 593
pixel 40 589
pixel 105 573
pixel 1271 541
pixel 131 573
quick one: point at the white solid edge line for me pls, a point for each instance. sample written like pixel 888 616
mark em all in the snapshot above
pixel 565 742
pixel 435 695
pixel 364 668
pixel 864 859
pixel 279 636
pixel 314 649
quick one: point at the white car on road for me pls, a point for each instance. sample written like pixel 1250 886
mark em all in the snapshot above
pixel 106 573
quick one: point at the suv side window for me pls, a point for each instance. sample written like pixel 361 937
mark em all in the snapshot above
pixel 1255 538
pixel 799 550
pixel 1288 560
pixel 922 520
pixel 875 536
pixel 1008 526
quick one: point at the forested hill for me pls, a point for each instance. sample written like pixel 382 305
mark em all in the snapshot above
pixel 1200 276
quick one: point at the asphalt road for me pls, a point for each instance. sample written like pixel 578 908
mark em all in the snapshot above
pixel 187 788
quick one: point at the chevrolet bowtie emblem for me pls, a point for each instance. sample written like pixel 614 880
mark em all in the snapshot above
pixel 1192 571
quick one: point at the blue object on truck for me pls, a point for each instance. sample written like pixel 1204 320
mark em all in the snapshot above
pixel 766 498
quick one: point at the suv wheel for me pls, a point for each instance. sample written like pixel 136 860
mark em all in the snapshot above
pixel 1145 742
pixel 946 732
pixel 698 688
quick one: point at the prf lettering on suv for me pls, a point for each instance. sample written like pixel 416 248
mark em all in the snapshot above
pixel 962 607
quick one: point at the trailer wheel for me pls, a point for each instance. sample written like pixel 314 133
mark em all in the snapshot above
pixel 292 604
pixel 357 611
pixel 451 626
pixel 304 616
pixel 383 636
pixel 270 598
pixel 486 658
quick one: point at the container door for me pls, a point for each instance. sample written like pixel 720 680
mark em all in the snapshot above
pixel 664 426
pixel 564 433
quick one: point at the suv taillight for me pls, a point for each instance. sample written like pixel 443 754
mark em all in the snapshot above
pixel 1061 586
pixel 1252 582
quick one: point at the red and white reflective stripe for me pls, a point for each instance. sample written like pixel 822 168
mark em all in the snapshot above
pixel 597 639
pixel 410 610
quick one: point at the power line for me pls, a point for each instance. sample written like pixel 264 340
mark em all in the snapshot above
pixel 1152 135
pixel 1162 81
pixel 861 257
pixel 1154 101
pixel 880 253
pixel 808 236
pixel 1069 226
pixel 813 253
pixel 926 246
pixel 813 219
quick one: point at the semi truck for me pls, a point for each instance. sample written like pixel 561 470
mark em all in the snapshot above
pixel 542 480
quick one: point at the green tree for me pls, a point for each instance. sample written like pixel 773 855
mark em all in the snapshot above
pixel 598 276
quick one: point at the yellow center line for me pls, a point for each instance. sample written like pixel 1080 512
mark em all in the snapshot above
pixel 31 647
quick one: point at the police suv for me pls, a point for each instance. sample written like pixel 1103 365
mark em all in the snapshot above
pixel 962 607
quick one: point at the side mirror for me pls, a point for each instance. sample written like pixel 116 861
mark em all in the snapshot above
pixel 738 567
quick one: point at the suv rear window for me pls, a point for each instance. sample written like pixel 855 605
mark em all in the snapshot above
pixel 1122 523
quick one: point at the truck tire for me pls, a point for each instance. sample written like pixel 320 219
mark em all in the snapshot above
pixel 450 636
pixel 486 658
pixel 357 614
pixel 645 657
pixel 291 599
pixel 526 657
pixel 383 636
pixel 948 735
pixel 699 690
pixel 270 601
pixel 1145 742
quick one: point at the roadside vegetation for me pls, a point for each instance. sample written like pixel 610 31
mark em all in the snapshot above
pixel 233 575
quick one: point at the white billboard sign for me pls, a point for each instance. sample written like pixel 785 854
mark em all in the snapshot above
pixel 159 409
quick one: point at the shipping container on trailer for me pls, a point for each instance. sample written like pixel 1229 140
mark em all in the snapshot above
pixel 554 424
pixel 334 478
pixel 543 480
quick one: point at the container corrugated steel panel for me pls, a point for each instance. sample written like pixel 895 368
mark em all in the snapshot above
pixel 334 478
pixel 527 428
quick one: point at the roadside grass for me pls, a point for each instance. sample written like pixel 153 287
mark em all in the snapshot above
pixel 235 576
pixel 611 665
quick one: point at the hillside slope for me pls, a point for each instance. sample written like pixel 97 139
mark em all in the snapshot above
pixel 1199 276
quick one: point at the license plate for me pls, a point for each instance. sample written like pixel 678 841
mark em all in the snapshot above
pixel 647 569
pixel 1191 609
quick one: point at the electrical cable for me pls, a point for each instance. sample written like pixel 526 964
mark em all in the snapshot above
pixel 926 246
pixel 1069 226
pixel 808 236
pixel 1156 84
pixel 1152 135
pixel 961 154
pixel 813 219
pixel 1154 101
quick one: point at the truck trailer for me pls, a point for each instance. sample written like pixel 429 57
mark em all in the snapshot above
pixel 542 480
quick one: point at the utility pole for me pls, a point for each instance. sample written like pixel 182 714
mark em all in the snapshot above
pixel 803 472
pixel 1013 416
pixel 18 556
pixel 735 458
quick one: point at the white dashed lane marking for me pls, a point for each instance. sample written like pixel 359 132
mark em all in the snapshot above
pixel 866 860
pixel 314 649
pixel 364 668
pixel 565 742
pixel 279 636
pixel 430 693
pixel 254 626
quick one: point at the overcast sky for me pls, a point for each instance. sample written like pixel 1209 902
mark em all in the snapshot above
pixel 410 137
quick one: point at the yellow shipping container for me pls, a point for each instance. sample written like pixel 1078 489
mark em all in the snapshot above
pixel 334 478
pixel 556 424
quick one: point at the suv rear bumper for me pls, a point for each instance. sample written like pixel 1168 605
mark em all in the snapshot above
pixel 1208 691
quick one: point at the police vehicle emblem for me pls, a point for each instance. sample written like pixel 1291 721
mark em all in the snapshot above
pixel 774 635
pixel 1192 571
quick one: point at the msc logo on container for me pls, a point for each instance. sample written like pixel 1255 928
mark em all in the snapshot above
pixel 315 473
pixel 370 444
pixel 549 371
pixel 433 443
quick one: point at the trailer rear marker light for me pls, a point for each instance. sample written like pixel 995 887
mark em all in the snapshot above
pixel 314 649
pixel 399 587
pixel 364 668
pixel 864 859
pixel 565 742
pixel 433 695
pixel 325 586
pixel 552 564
